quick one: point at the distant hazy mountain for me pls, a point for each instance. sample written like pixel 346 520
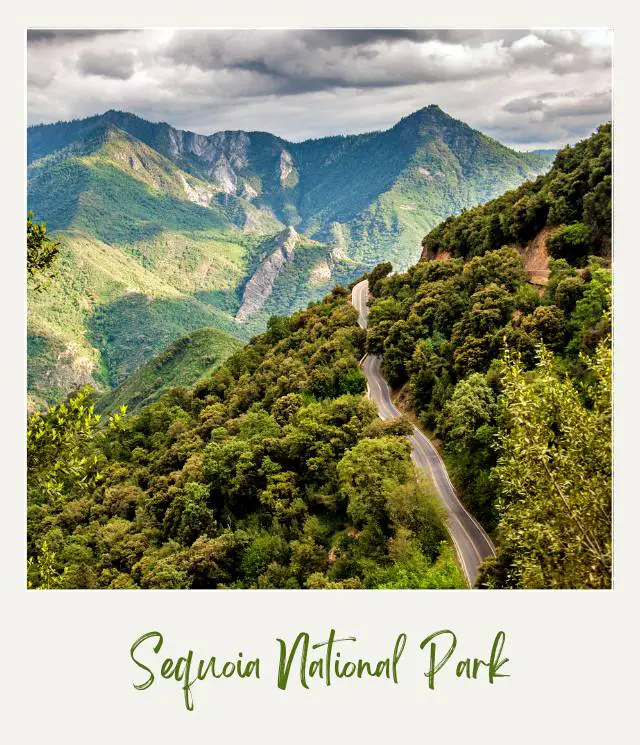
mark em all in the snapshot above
pixel 165 231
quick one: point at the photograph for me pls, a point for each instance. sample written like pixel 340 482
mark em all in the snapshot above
pixel 318 309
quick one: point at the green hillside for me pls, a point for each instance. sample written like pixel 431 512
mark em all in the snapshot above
pixel 165 231
pixel 184 362
pixel 272 472
pixel 275 471
pixel 573 197
pixel 515 379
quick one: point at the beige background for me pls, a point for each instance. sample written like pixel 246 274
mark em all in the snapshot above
pixel 66 673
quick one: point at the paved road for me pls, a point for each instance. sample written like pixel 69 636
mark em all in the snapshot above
pixel 472 544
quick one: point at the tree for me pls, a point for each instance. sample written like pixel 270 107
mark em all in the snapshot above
pixel 377 274
pixel 468 429
pixel 570 242
pixel 548 324
pixel 59 453
pixel 41 570
pixel 368 471
pixel 189 516
pixel 42 252
pixel 568 291
pixel 554 477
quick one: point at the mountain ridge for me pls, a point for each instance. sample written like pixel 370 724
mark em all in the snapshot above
pixel 192 218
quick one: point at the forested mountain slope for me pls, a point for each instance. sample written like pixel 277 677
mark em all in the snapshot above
pixel 165 231
pixel 273 472
pixel 183 363
pixel 513 379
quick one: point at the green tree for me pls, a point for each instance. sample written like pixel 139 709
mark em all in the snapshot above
pixel 189 515
pixel 554 477
pixel 41 570
pixel 368 471
pixel 377 274
pixel 42 252
pixel 570 242
pixel 60 460
pixel 547 324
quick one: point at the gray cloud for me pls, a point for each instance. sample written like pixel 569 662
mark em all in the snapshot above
pixel 555 105
pixel 377 58
pixel 517 85
pixel 107 64
pixel 38 36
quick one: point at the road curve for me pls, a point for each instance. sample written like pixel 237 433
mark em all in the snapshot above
pixel 471 542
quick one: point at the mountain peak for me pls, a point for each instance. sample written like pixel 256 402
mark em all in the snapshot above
pixel 429 116
pixel 430 111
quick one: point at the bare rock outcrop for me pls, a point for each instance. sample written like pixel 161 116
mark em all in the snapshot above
pixel 535 258
pixel 197 194
pixel 248 192
pixel 286 170
pixel 222 154
pixel 72 369
pixel 320 273
pixel 260 286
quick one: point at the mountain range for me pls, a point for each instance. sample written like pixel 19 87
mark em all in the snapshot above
pixel 165 231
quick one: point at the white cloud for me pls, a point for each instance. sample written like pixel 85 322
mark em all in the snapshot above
pixel 518 86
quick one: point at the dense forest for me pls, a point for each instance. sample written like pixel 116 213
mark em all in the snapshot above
pixel 274 470
pixel 574 198
pixel 513 379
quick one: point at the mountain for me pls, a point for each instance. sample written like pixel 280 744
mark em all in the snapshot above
pixel 274 471
pixel 164 231
pixel 183 363
pixel 499 341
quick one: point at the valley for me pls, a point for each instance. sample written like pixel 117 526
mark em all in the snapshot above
pixel 284 463
pixel 165 231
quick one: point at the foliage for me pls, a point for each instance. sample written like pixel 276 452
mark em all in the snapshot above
pixel 152 247
pixel 271 471
pixel 442 326
pixel 571 242
pixel 41 571
pixel 184 362
pixel 575 196
pixel 58 465
pixel 42 252
pixel 554 476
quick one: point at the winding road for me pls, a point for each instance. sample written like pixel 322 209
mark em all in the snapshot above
pixel 471 542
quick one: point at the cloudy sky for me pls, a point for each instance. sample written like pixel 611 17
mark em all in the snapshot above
pixel 526 88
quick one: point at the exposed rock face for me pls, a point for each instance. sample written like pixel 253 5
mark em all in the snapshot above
pixel 338 252
pixel 223 175
pixel 428 175
pixel 286 168
pixel 197 194
pixel 222 154
pixel 72 369
pixel 248 192
pixel 260 286
pixel 176 141
pixel 536 258
pixel 320 272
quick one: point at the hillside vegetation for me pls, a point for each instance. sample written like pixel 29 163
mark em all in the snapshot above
pixel 574 198
pixel 272 472
pixel 515 381
pixel 162 230
pixel 184 362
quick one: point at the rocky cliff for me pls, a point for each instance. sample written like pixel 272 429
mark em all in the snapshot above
pixel 260 286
